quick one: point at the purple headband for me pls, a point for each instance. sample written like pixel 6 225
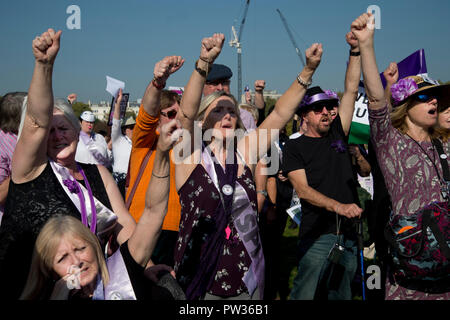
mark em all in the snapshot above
pixel 327 95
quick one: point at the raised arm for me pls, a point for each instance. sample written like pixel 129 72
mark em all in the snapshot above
pixel 363 29
pixel 192 96
pixel 352 77
pixel 163 69
pixel 284 108
pixel 116 130
pixel 391 76
pixel 31 150
pixel 143 240
pixel 259 94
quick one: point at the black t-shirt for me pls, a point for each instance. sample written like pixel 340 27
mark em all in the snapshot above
pixel 328 168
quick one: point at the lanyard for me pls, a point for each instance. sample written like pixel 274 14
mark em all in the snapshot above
pixel 225 181
pixel 442 183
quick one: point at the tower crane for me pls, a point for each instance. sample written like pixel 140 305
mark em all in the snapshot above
pixel 297 50
pixel 236 42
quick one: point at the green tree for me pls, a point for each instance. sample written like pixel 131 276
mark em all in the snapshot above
pixel 80 107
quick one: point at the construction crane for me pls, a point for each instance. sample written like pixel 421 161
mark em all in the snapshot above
pixel 236 42
pixel 299 53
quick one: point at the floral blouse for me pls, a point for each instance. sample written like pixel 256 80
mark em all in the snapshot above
pixel 199 199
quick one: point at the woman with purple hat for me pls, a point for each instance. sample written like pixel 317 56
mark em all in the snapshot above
pixel 413 161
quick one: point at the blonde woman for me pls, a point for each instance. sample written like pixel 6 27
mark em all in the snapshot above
pixel 218 254
pixel 68 262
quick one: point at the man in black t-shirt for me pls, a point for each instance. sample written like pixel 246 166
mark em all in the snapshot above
pixel 319 167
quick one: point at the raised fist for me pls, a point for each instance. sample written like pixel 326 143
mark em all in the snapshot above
pixel 164 68
pixel 72 98
pixel 260 85
pixel 351 40
pixel 46 46
pixel 363 27
pixel 170 133
pixel 314 55
pixel 391 73
pixel 211 47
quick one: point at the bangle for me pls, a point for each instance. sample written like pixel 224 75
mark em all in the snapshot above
pixel 158 86
pixel 355 54
pixel 203 73
pixel 263 192
pixel 160 177
pixel 207 61
pixel 303 82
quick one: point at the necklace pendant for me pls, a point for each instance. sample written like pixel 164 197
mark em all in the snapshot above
pixel 227 232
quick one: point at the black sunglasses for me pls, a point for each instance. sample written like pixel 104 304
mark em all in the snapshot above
pixel 171 114
pixel 319 107
pixel 424 97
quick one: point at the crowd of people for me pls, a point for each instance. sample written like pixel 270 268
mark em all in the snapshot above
pixel 179 202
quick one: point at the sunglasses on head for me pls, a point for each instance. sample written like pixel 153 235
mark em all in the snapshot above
pixel 171 114
pixel 319 107
pixel 424 97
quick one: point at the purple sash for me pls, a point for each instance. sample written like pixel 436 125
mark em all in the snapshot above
pixel 243 217
pixel 105 220
pixel 89 142
pixel 119 286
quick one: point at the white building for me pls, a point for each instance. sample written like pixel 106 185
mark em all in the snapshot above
pixel 102 109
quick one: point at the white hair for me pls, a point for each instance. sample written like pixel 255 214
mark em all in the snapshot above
pixel 59 104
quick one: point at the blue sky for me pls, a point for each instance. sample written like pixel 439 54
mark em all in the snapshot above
pixel 124 39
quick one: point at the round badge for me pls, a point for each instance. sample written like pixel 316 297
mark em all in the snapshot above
pixel 227 189
pixel 443 156
pixel 115 295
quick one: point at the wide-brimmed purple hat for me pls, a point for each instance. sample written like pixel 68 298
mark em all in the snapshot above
pixel 414 85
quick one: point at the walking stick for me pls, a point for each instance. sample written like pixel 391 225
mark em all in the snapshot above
pixel 361 254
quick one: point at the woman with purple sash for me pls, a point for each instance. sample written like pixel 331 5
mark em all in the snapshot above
pixel 68 261
pixel 46 180
pixel 218 254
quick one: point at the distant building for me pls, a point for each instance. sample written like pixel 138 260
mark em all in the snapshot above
pixel 102 109
pixel 273 94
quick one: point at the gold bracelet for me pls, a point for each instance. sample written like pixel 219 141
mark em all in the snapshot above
pixel 163 177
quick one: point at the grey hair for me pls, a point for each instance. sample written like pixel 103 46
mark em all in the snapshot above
pixel 67 109
pixel 59 104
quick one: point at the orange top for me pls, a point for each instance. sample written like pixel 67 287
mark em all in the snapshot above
pixel 145 137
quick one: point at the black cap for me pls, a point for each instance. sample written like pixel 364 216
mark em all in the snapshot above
pixel 219 72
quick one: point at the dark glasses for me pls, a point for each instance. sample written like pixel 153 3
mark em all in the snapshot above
pixel 319 107
pixel 171 114
pixel 424 97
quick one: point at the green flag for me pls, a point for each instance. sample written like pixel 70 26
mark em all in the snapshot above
pixel 360 128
